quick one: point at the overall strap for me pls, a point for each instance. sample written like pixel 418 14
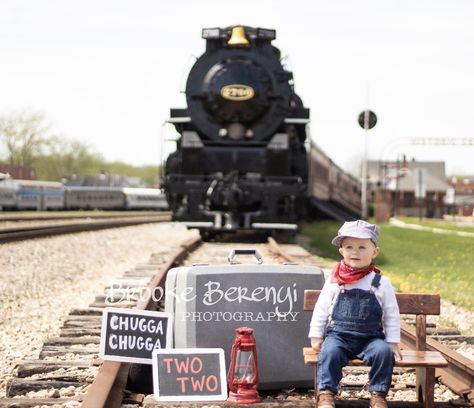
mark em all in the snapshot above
pixel 376 281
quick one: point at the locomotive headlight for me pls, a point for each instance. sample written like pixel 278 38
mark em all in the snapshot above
pixel 236 131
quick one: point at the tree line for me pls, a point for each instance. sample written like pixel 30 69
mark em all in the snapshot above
pixel 26 139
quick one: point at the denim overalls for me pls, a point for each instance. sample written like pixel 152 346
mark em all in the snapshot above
pixel 355 331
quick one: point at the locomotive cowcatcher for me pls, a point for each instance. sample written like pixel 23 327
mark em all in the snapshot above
pixel 241 161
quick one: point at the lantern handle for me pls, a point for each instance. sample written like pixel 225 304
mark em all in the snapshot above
pixel 235 252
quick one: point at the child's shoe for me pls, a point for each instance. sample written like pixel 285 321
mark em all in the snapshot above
pixel 378 400
pixel 326 399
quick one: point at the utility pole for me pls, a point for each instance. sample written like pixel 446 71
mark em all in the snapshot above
pixel 367 120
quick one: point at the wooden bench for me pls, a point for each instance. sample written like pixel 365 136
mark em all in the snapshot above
pixel 424 361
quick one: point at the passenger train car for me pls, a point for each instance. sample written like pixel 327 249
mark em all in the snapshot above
pixel 91 198
pixel 47 195
pixel 31 195
pixel 332 192
pixel 145 199
pixel 39 195
pixel 114 198
pixel 7 194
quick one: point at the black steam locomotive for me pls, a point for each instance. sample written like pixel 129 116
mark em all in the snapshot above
pixel 241 161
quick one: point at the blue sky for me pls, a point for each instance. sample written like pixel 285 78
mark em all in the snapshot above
pixel 107 72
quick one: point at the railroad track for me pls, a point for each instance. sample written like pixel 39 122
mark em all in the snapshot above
pixel 29 231
pixel 71 215
pixel 105 381
pixel 459 375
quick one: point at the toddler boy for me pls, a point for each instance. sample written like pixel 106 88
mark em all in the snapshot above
pixel 347 319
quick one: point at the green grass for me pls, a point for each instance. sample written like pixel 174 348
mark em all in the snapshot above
pixel 415 261
pixel 437 223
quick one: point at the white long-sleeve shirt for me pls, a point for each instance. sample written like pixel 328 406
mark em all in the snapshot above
pixel 384 294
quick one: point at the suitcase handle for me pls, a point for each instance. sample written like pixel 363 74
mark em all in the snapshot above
pixel 235 252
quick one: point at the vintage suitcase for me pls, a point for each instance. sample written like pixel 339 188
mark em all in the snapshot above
pixel 210 301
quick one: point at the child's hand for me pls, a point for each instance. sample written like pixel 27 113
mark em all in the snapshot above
pixel 396 351
pixel 316 343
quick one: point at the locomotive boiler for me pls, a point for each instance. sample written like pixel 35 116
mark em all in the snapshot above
pixel 241 161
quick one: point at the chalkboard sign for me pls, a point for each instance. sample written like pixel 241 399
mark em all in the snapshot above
pixel 132 335
pixel 189 375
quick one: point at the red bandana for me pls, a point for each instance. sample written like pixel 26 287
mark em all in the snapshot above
pixel 344 273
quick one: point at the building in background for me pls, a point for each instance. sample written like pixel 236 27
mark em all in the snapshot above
pixel 18 172
pixel 407 188
pixel 462 195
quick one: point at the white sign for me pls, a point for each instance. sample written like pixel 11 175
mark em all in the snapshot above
pixel 419 176
pixel 449 197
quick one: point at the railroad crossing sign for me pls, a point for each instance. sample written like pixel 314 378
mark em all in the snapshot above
pixel 367 119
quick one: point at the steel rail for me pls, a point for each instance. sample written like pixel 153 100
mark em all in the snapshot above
pixel 107 388
pixel 458 375
pixel 36 231
pixel 278 251
pixel 76 215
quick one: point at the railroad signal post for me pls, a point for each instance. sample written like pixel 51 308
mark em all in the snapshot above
pixel 367 120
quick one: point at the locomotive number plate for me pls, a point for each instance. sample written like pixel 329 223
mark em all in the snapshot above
pixel 237 92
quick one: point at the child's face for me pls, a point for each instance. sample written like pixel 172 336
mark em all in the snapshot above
pixel 358 253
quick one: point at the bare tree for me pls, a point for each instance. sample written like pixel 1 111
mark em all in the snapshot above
pixel 62 156
pixel 23 133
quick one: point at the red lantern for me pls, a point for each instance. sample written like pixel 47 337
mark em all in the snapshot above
pixel 243 373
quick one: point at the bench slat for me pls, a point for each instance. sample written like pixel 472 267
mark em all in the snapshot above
pixel 411 358
pixel 408 303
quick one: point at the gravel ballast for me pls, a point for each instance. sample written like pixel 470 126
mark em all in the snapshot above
pixel 43 279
